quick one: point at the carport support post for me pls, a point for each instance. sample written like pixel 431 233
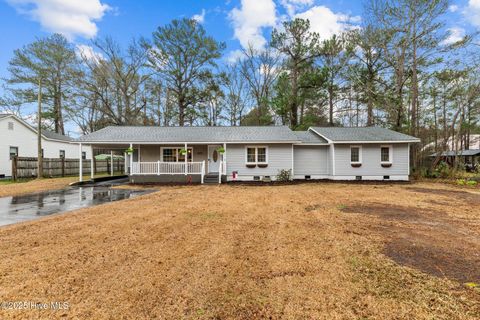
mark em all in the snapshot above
pixel 80 165
pixel 111 163
pixel 186 160
pixel 125 165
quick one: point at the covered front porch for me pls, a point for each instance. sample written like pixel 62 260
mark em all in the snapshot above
pixel 173 163
pixel 179 163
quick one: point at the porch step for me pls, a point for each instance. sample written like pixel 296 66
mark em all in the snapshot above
pixel 210 178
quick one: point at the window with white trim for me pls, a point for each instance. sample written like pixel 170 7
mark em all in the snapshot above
pixel 356 154
pixel 257 155
pixel 62 153
pixel 386 154
pixel 175 155
pixel 13 152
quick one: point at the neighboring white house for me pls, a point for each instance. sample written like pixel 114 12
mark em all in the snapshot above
pixel 474 143
pixel 18 138
pixel 215 154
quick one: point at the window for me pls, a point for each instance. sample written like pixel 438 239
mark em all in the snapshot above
pixel 175 155
pixel 169 155
pixel 62 153
pixel 262 155
pixel 13 152
pixel 251 155
pixel 84 155
pixel 257 155
pixel 10 126
pixel 355 154
pixel 385 154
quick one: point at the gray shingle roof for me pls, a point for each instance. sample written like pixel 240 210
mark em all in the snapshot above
pixel 309 137
pixel 55 136
pixel 191 134
pixel 373 134
pixel 463 153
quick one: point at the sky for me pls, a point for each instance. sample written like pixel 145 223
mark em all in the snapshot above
pixel 235 22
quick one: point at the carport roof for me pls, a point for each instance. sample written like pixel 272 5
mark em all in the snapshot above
pixel 151 134
pixel 461 153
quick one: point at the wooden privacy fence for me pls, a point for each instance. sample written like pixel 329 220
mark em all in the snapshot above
pixel 23 167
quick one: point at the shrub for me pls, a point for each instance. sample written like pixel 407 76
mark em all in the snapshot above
pixel 472 183
pixel 442 170
pixel 284 175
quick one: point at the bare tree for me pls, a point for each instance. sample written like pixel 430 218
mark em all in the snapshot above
pixel 260 68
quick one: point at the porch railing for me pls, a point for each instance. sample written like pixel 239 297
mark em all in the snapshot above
pixel 159 168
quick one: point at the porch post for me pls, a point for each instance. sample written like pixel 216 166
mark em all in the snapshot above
pixel 92 171
pixel 111 163
pixel 80 164
pixel 131 159
pixel 186 159
pixel 225 158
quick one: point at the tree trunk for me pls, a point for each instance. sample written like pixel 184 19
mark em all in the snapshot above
pixel 181 110
pixel 293 102
pixel 330 104
pixel 370 121
pixel 414 109
pixel 39 133
pixel 435 121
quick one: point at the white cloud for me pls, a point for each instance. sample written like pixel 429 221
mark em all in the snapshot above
pixel 69 17
pixel 292 6
pixel 455 34
pixel 235 56
pixel 327 23
pixel 249 21
pixel 453 8
pixel 472 12
pixel 87 52
pixel 200 18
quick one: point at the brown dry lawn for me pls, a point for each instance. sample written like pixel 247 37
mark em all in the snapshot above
pixel 307 251
pixel 8 188
pixel 31 186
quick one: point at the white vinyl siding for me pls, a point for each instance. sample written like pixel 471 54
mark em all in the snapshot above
pixel 371 161
pixel 26 140
pixel 311 160
pixel 279 156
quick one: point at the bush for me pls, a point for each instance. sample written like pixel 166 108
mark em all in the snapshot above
pixel 442 170
pixel 284 175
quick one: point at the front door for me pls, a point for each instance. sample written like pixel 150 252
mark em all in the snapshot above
pixel 214 158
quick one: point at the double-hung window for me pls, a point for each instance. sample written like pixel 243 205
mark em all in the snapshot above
pixel 356 154
pixel 257 155
pixel 176 155
pixel 386 154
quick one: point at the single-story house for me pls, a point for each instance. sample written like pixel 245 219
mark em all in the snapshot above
pixel 18 138
pixel 215 154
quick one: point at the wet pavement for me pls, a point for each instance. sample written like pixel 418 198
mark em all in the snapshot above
pixel 33 206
